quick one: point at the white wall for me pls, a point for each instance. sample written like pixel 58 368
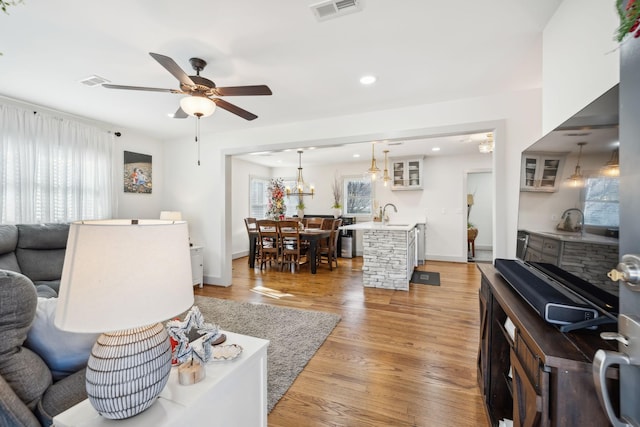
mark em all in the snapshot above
pixel 133 205
pixel 515 118
pixel 241 171
pixel 580 59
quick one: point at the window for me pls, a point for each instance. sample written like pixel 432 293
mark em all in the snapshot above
pixel 53 169
pixel 601 204
pixel 259 197
pixel 358 195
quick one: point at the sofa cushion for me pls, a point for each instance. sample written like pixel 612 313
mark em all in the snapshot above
pixel 64 352
pixel 26 374
pixel 8 242
pixel 42 236
pixel 40 250
pixel 8 238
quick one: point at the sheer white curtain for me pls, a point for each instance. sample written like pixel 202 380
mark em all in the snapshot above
pixel 53 169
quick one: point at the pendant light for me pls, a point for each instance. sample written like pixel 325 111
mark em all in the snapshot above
pixel 612 167
pixel 385 177
pixel 301 186
pixel 576 178
pixel 374 169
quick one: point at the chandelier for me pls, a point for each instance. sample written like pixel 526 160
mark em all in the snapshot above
pixel 576 177
pixel 486 146
pixel 301 187
pixel 374 169
pixel 385 176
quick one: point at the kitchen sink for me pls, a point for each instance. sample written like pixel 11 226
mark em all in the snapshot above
pixel 397 225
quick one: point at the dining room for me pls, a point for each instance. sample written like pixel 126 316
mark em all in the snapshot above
pixel 440 202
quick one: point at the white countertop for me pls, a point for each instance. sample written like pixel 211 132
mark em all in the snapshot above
pixel 371 225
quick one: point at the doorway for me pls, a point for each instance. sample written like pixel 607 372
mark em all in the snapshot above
pixel 479 215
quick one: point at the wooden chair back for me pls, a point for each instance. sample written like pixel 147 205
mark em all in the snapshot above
pixel 291 246
pixel 314 222
pixel 269 241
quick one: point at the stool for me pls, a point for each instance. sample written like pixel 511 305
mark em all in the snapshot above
pixel 472 233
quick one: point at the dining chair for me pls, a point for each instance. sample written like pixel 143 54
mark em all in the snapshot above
pixel 269 242
pixel 292 250
pixel 314 222
pixel 329 249
pixel 250 225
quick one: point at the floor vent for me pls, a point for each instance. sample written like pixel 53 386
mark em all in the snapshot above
pixel 335 8
pixel 94 80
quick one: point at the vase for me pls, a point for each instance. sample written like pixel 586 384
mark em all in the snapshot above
pixel 337 212
pixel 300 213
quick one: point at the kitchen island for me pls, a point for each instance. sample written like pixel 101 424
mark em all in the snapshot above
pixel 389 254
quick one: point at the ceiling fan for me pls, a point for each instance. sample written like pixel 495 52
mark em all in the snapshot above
pixel 202 92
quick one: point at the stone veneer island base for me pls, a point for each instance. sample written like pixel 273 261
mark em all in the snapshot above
pixel 389 254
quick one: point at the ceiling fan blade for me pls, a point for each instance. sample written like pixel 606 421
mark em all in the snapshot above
pixel 150 89
pixel 173 68
pixel 234 109
pixel 180 114
pixel 243 90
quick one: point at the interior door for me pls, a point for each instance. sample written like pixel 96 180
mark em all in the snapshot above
pixel 630 209
pixel 628 356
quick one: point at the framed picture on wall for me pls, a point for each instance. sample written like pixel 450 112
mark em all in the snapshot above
pixel 137 173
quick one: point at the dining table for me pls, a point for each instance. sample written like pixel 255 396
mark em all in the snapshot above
pixel 311 235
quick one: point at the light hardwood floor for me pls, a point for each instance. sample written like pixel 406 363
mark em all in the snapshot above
pixel 396 358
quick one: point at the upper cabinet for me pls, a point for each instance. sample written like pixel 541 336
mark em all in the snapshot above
pixel 541 171
pixel 406 173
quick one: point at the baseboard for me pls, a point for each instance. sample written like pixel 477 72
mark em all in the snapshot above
pixel 215 281
pixel 240 254
pixel 445 259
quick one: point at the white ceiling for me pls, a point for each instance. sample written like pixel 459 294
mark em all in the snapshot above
pixel 421 51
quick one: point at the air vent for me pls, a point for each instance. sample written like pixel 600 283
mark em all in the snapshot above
pixel 334 8
pixel 93 81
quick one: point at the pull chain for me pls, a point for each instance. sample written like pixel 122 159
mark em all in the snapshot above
pixel 198 137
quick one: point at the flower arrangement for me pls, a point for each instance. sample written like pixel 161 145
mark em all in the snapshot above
pixel 276 206
pixel 629 19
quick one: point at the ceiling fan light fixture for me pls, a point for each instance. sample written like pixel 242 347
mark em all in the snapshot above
pixel 197 106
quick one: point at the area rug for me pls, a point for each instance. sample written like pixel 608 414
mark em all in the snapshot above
pixel 294 335
pixel 425 278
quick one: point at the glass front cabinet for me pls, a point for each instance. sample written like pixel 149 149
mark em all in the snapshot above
pixel 541 171
pixel 406 173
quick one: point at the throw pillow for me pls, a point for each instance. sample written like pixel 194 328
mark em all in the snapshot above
pixel 64 352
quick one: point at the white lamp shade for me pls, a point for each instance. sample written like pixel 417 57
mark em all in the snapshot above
pixel 171 215
pixel 199 106
pixel 118 275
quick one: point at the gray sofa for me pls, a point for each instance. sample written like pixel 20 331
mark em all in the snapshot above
pixel 35 250
pixel 31 259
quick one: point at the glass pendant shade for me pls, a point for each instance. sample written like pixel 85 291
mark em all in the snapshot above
pixel 577 179
pixel 374 169
pixel 197 106
pixel 385 176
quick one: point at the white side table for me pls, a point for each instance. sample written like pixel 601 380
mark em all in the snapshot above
pixel 234 393
pixel 197 265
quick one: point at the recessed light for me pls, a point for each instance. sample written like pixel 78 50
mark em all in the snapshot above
pixel 356 155
pixel 435 149
pixel 367 80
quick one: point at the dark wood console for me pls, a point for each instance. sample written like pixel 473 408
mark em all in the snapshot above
pixel 541 376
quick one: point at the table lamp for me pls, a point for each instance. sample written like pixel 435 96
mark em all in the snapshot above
pixel 120 278
pixel 171 215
